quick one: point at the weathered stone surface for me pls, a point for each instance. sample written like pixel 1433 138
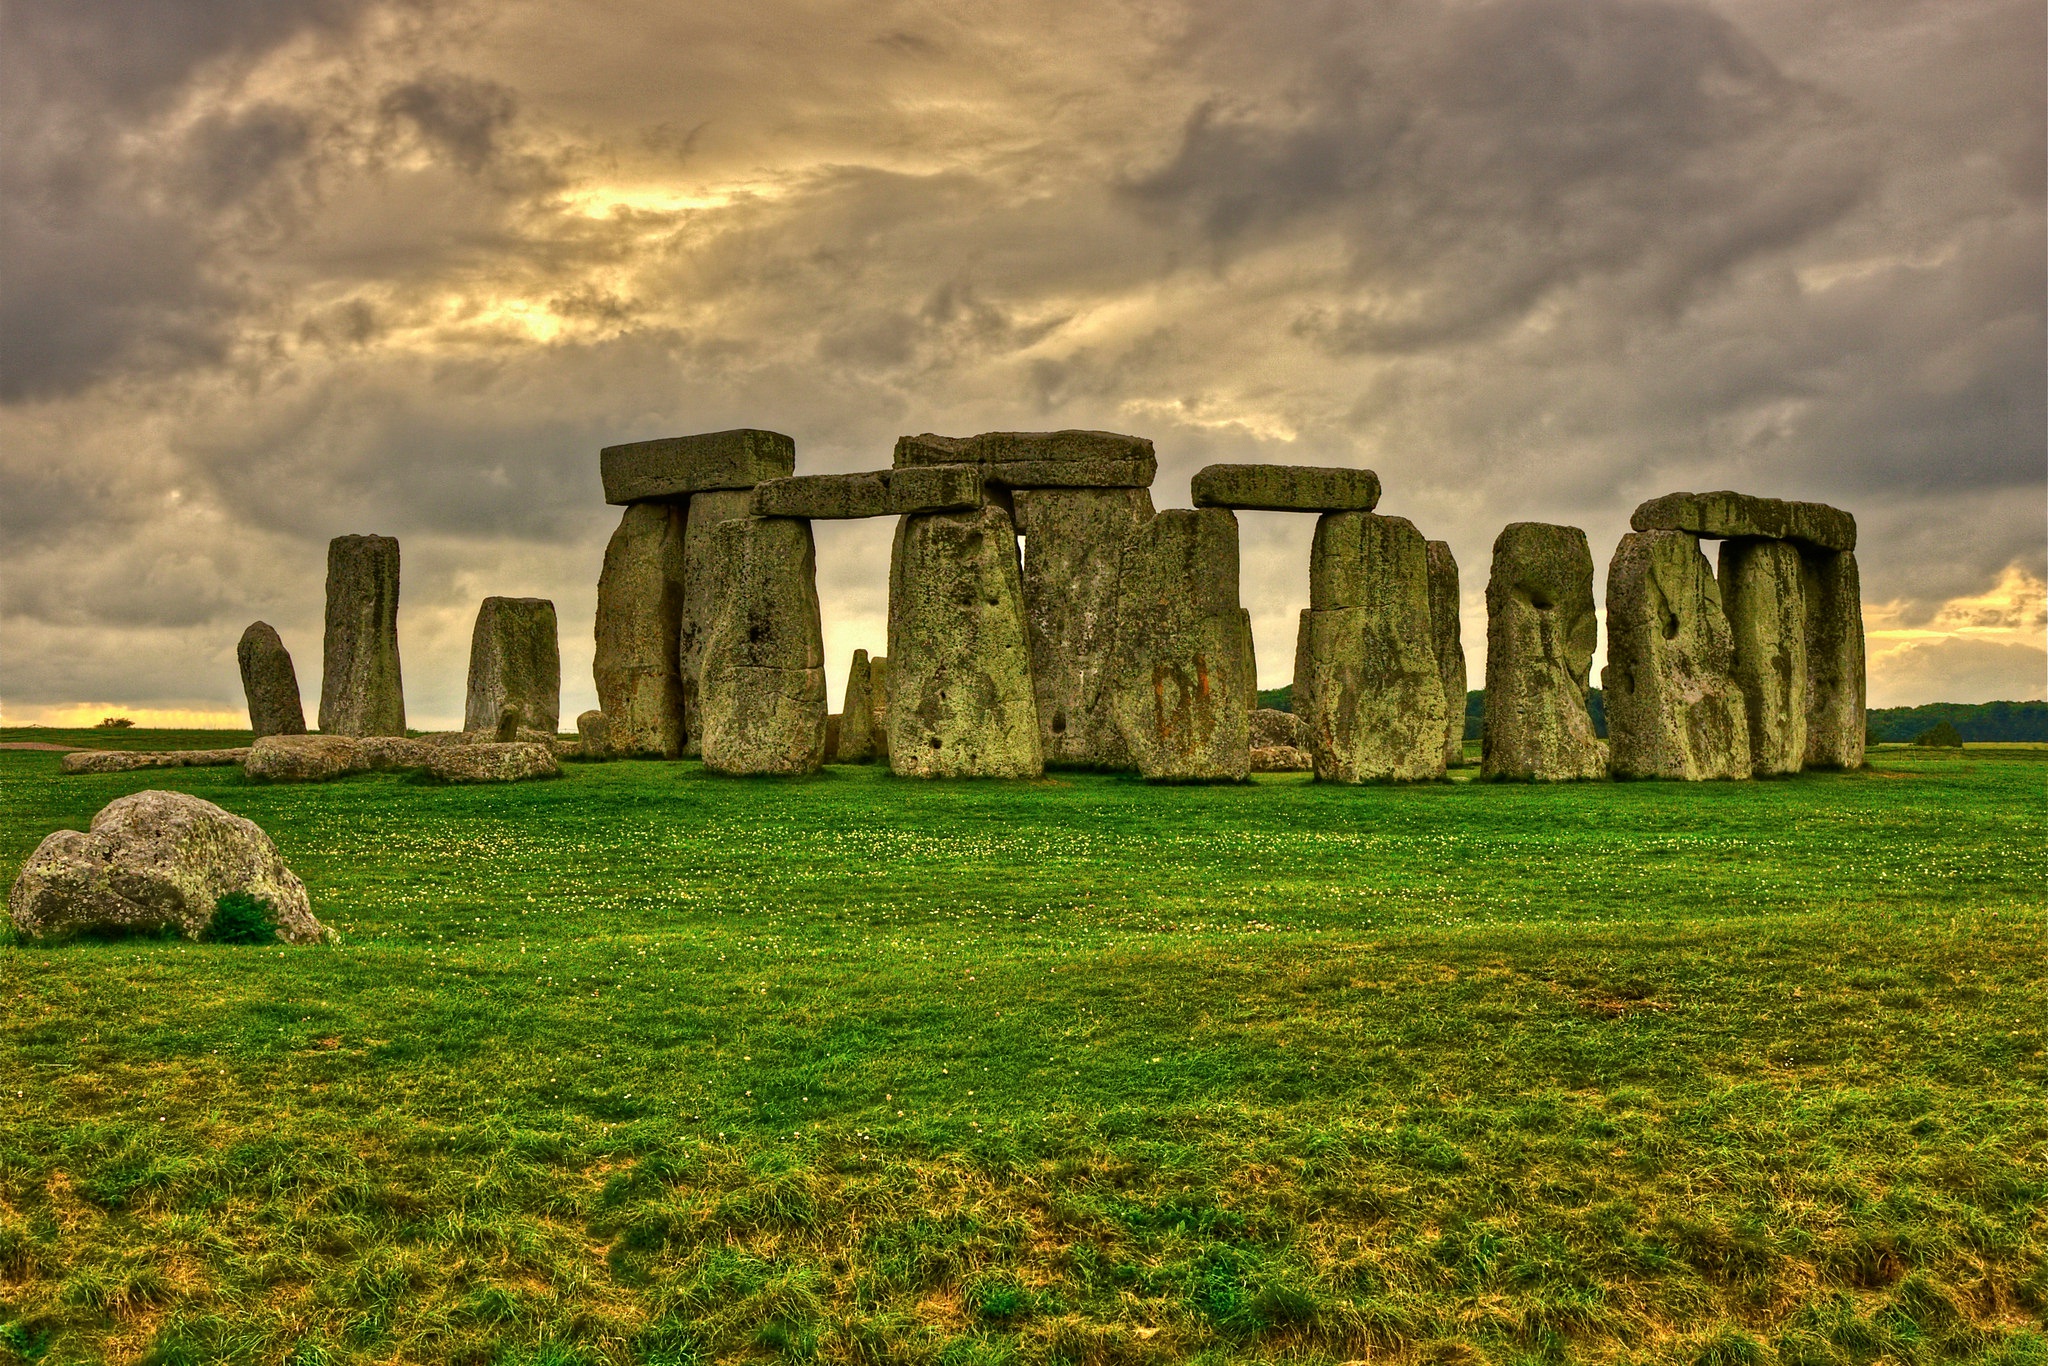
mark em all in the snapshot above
pixel 156 861
pixel 1179 688
pixel 1446 632
pixel 1074 542
pixel 677 466
pixel 1540 634
pixel 639 620
pixel 703 582
pixel 129 760
pixel 303 758
pixel 1271 728
pixel 832 720
pixel 360 688
pixel 875 493
pixel 1726 514
pixel 1068 459
pixel 593 735
pixel 269 682
pixel 515 660
pixel 1286 488
pixel 1071 474
pixel 1366 685
pixel 493 762
pixel 1673 708
pixel 379 753
pixel 1835 719
pixel 1765 603
pixel 1281 759
pixel 764 662
pixel 960 701
pixel 857 715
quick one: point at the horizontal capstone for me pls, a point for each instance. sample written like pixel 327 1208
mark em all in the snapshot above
pixel 677 466
pixel 1286 488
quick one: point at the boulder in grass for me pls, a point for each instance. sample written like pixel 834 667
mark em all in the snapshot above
pixel 1281 759
pixel 156 862
pixel 303 758
pixel 493 763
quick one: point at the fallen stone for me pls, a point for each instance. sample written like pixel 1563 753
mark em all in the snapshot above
pixel 876 493
pixel 677 466
pixel 127 761
pixel 360 688
pixel 1179 688
pixel 1540 634
pixel 593 736
pixel 703 580
pixel 152 862
pixel 1446 632
pixel 960 702
pixel 1073 553
pixel 1725 514
pixel 1281 759
pixel 515 662
pixel 269 682
pixel 857 716
pixel 1832 590
pixel 1765 604
pixel 1673 707
pixel 639 615
pixel 1286 488
pixel 385 753
pixel 764 662
pixel 493 762
pixel 506 732
pixel 1271 728
pixel 1068 459
pixel 303 758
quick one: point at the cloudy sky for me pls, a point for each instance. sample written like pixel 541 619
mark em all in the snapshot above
pixel 276 270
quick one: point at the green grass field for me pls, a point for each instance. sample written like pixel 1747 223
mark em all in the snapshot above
pixel 644 1065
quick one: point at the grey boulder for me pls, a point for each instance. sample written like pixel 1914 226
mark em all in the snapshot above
pixel 493 762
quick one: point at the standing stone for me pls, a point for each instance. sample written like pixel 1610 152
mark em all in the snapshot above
pixel 360 689
pixel 639 612
pixel 960 696
pixel 515 660
pixel 1179 687
pixel 1366 683
pixel 1761 590
pixel 763 697
pixel 593 736
pixel 878 698
pixel 269 682
pixel 857 714
pixel 1447 633
pixel 1835 718
pixel 1673 707
pixel 1540 634
pixel 1074 541
pixel 702 577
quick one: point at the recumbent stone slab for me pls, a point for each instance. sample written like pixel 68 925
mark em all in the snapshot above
pixel 1540 633
pixel 1761 590
pixel 763 699
pixel 1724 514
pixel 1065 459
pixel 1673 707
pixel 676 466
pixel 129 760
pixel 1286 488
pixel 360 688
pixel 1446 632
pixel 515 660
pixel 269 682
pixel 639 618
pixel 1835 717
pixel 875 493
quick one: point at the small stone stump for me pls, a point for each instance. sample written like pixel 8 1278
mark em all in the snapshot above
pixel 1540 634
pixel 269 682
pixel 639 612
pixel 515 660
pixel 764 662
pixel 1673 707
pixel 360 688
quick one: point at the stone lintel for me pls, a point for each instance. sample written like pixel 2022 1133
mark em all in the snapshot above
pixel 1725 514
pixel 873 493
pixel 677 466
pixel 1287 488
pixel 1069 459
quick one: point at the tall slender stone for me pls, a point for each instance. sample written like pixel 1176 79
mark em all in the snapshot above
pixel 702 576
pixel 1540 634
pixel 1765 601
pixel 878 698
pixel 857 714
pixel 1366 683
pixel 639 615
pixel 1074 541
pixel 1180 688
pixel 515 660
pixel 1447 635
pixel 763 698
pixel 960 696
pixel 361 692
pixel 1674 709
pixel 1833 593
pixel 269 682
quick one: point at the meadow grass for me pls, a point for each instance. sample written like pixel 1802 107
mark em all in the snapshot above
pixel 645 1065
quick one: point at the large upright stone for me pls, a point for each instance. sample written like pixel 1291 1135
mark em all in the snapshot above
pixel 678 466
pixel 878 698
pixel 1540 634
pixel 857 713
pixel 960 699
pixel 515 660
pixel 1726 514
pixel 1366 683
pixel 764 661
pixel 269 682
pixel 1180 689
pixel 1446 632
pixel 1286 488
pixel 1035 460
pixel 639 615
pixel 1074 542
pixel 360 689
pixel 1673 707
pixel 703 577
pixel 1835 719
pixel 1761 590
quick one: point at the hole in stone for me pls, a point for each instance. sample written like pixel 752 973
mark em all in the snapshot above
pixel 935 742
pixel 1671 626
pixel 1059 723
pixel 1540 601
